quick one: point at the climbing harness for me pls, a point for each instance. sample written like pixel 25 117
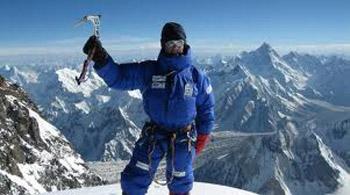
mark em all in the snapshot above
pixel 150 131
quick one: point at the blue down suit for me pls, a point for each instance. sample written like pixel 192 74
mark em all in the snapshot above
pixel 175 95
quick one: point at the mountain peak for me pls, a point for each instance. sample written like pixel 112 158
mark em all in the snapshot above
pixel 265 47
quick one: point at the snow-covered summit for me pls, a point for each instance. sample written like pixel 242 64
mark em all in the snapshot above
pixel 266 48
pixel 198 189
pixel 266 62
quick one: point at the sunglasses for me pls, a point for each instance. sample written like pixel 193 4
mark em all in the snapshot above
pixel 174 46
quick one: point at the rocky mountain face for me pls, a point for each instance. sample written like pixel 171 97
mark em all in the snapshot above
pixel 281 128
pixel 274 164
pixel 340 139
pixel 34 156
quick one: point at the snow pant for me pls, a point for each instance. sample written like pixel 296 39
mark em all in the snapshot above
pixel 149 150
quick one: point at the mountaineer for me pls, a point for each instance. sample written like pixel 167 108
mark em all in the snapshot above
pixel 178 99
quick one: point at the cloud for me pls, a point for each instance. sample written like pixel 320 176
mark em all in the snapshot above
pixel 36 50
pixel 237 47
pixel 215 47
pixel 74 45
pixel 338 48
pixel 122 44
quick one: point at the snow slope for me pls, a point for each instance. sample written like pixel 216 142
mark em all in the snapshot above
pixel 198 189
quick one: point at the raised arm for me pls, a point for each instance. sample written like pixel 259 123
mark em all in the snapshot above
pixel 125 76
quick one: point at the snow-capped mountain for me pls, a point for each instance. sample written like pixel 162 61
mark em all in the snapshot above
pixel 266 62
pixel 34 156
pixel 282 120
pixel 94 118
pixel 298 155
pixel 259 89
pixel 328 77
pixel 304 62
pixel 239 103
pixel 332 81
pixel 98 117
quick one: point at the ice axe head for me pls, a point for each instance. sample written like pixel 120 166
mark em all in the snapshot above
pixel 95 20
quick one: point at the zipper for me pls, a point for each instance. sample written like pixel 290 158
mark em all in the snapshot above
pixel 169 91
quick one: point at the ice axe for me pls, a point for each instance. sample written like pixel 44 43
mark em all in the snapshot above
pixel 95 20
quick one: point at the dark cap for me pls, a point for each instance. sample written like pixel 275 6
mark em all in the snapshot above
pixel 172 31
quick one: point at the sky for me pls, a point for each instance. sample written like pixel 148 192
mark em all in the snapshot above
pixel 226 26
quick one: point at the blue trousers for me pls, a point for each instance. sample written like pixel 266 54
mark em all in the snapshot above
pixel 138 174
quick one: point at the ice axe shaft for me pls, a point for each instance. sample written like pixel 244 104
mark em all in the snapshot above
pixel 82 77
pixel 95 20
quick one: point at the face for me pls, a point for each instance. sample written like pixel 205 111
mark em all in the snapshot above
pixel 174 47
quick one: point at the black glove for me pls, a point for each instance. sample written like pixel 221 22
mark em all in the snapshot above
pixel 100 55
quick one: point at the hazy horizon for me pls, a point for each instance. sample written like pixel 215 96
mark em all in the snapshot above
pixel 127 56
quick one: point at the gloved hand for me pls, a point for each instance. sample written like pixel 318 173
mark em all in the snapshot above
pixel 202 141
pixel 100 55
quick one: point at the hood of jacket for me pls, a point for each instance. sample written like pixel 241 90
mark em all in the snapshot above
pixel 174 63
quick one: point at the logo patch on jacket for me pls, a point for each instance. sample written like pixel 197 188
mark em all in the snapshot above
pixel 188 89
pixel 209 89
pixel 158 82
